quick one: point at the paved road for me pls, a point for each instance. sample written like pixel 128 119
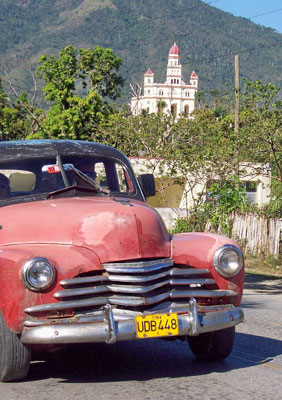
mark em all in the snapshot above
pixel 164 370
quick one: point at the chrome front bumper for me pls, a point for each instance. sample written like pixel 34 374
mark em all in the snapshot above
pixel 191 323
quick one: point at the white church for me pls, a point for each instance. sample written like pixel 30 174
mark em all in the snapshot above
pixel 173 96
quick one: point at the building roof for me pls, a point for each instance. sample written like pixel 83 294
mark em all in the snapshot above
pixel 149 72
pixel 174 50
pixel 194 75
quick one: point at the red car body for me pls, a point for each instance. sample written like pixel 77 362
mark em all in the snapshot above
pixel 99 258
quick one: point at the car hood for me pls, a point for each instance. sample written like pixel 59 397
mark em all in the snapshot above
pixel 114 228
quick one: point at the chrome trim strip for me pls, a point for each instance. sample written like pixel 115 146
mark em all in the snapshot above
pixel 149 278
pixel 137 301
pixel 138 267
pixel 82 280
pixel 109 318
pixel 188 271
pixel 137 289
pixel 196 281
pixel 31 323
pixel 178 293
pixel 80 291
pixel 190 323
pixel 63 305
pixel 138 279
pixel 132 278
pixel 195 322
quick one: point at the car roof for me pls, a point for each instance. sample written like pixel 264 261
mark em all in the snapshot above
pixel 23 149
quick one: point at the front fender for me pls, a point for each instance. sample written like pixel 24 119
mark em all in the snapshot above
pixel 69 261
pixel 197 250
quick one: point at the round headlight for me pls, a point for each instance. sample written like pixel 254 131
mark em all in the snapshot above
pixel 228 260
pixel 38 274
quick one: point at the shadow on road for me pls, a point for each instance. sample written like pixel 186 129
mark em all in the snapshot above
pixel 263 284
pixel 253 350
pixel 147 360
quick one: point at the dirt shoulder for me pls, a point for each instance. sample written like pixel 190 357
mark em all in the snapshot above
pixel 263 275
pixel 270 266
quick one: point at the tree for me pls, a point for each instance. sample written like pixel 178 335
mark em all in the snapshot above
pixel 15 119
pixel 200 97
pixel 223 198
pixel 186 152
pixel 93 72
pixel 261 130
pixel 161 106
pixel 3 97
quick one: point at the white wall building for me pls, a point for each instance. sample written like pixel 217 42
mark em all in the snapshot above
pixel 183 196
pixel 172 96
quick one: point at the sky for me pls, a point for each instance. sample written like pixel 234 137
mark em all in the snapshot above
pixel 272 18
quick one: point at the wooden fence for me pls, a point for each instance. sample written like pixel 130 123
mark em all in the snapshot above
pixel 258 234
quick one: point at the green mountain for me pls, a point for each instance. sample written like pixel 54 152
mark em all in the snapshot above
pixel 141 33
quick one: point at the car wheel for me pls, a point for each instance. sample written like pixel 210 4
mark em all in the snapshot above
pixel 14 356
pixel 213 346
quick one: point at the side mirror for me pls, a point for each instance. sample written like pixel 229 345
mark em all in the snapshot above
pixel 147 182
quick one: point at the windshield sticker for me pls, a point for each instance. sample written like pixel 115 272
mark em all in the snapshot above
pixel 53 169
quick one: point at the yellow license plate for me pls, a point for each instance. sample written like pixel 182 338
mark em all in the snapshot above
pixel 156 325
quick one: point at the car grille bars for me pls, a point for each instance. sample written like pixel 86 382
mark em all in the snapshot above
pixel 134 285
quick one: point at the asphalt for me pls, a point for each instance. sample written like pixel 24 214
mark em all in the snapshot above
pixel 263 283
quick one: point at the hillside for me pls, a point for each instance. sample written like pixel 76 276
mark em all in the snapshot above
pixel 141 33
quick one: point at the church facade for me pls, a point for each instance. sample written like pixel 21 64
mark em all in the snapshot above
pixel 173 96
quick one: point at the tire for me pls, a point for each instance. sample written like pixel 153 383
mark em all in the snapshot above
pixel 213 346
pixel 14 356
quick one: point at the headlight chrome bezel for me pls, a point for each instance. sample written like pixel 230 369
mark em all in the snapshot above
pixel 217 260
pixel 28 265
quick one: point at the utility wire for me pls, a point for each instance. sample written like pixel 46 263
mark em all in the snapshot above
pixel 255 16
pixel 248 50
pixel 260 15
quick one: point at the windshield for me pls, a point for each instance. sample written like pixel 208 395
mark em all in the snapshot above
pixel 34 179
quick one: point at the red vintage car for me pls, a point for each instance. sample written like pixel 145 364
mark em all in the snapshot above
pixel 84 259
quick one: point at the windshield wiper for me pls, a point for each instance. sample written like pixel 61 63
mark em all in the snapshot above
pixel 89 180
pixel 63 173
pixel 94 186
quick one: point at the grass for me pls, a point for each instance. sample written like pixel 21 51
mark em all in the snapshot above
pixel 264 265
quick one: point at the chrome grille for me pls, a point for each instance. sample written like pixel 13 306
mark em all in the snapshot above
pixel 136 286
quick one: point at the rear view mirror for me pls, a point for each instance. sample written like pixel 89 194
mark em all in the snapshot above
pixel 147 182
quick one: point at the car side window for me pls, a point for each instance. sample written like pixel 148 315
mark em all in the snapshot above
pixel 101 175
pixel 125 185
pixel 113 176
pixel 19 180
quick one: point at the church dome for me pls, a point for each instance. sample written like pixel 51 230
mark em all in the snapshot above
pixel 194 75
pixel 149 72
pixel 174 50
